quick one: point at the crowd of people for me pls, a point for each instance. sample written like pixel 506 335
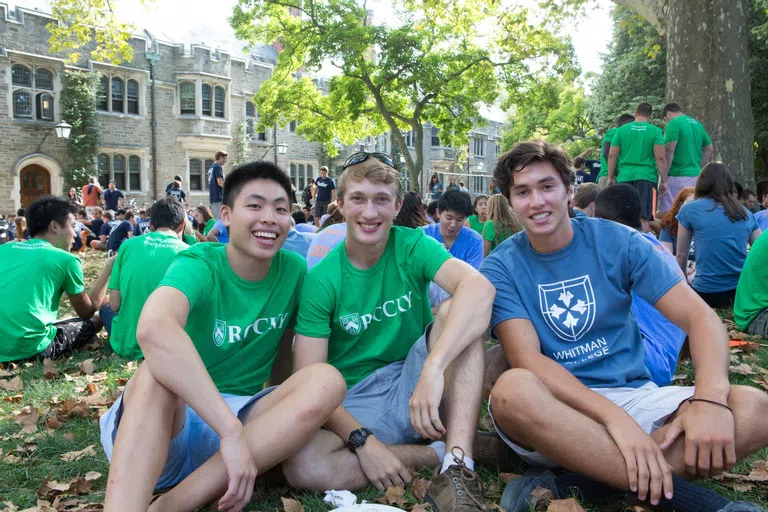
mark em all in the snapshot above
pixel 339 341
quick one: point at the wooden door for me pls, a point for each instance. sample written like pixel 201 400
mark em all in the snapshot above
pixel 35 182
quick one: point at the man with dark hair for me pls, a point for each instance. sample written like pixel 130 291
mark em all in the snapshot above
pixel 326 194
pixel 197 415
pixel 688 149
pixel 140 266
pixel 605 147
pixel 216 183
pixel 462 242
pixel 41 269
pixel 432 211
pixel 113 197
pixel 121 233
pixel 584 200
pixel 577 356
pixel 169 186
pixel 748 198
pixel 108 224
pixel 637 154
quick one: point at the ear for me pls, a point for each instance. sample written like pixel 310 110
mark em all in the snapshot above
pixel 226 214
pixel 398 206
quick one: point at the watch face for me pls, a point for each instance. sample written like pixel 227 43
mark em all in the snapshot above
pixel 356 438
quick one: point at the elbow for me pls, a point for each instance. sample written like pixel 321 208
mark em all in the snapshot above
pixel 146 333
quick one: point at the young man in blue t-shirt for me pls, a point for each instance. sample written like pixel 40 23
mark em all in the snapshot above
pixel 326 193
pixel 121 232
pixel 113 197
pixel 462 242
pixel 578 394
pixel 216 183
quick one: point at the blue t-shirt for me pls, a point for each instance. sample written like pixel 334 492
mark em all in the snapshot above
pixel 142 227
pixel 306 228
pixel 215 192
pixel 436 190
pixel 177 193
pixel 582 312
pixel 118 235
pixel 325 188
pixel 583 176
pixel 580 214
pixel 111 198
pixel 467 247
pixel 324 241
pixel 762 219
pixel 721 245
pixel 298 242
pixel 107 227
pixel 223 236
pixel 663 339
pixel 593 167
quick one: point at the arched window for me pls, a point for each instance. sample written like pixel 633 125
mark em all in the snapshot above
pixel 187 97
pixel 44 106
pixel 310 172
pixel 132 95
pixel 134 173
pixel 206 95
pixel 102 163
pixel 219 103
pixel 117 96
pixel 21 76
pixel 293 173
pixel 250 119
pixel 195 174
pixel 102 94
pixel 118 171
pixel 22 104
pixel 43 79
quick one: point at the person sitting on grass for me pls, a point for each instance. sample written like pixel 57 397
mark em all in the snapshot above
pixel 750 309
pixel 364 309
pixel 140 266
pixel 197 415
pixel 669 223
pixel 578 394
pixel 219 233
pixel 501 223
pixel 477 220
pixel 108 223
pixel 462 242
pixel 412 213
pixel 41 270
pixel 121 232
pixel 584 199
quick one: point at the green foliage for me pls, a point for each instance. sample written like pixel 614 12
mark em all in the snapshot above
pixel 759 14
pixel 240 142
pixel 432 63
pixel 78 105
pixel 758 67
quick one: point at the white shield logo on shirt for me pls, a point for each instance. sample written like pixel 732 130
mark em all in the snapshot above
pixel 219 332
pixel 568 307
pixel 351 323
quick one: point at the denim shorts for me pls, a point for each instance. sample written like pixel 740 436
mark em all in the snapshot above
pixel 191 447
pixel 380 401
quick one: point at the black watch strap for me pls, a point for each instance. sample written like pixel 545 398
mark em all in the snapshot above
pixel 357 438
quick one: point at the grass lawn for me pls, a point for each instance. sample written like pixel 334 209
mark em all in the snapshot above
pixel 50 449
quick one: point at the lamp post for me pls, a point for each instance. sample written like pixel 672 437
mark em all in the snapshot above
pixel 282 148
pixel 61 130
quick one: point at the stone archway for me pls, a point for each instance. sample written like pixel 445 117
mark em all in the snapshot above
pixel 44 164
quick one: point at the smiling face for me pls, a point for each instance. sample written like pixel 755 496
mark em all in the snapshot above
pixel 369 209
pixel 259 219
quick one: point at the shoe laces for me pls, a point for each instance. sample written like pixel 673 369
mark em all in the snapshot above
pixel 466 479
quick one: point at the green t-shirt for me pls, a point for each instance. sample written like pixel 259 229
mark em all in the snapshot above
pixel 371 317
pixel 236 324
pixel 474 223
pixel 691 138
pixel 208 226
pixel 140 266
pixel 36 274
pixel 489 233
pixel 603 162
pixel 752 292
pixel 188 239
pixel 636 159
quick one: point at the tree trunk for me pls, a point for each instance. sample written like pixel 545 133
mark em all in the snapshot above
pixel 708 71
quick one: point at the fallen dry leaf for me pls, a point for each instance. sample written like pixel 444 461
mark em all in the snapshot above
pixel 50 487
pixel 49 369
pixel 419 488
pixel 27 418
pixel 395 496
pixel 11 459
pixel 69 436
pixel 13 399
pixel 13 385
pixel 569 505
pixel 87 366
pixel 422 507
pixel 742 369
pixel 88 451
pixel 92 475
pixel 5 373
pixel 540 498
pixel 52 422
pixel 291 505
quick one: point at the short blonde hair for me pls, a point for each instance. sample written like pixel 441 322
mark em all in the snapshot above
pixel 373 170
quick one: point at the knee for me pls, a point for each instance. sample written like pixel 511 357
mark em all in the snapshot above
pixel 304 470
pixel 326 381
pixel 145 388
pixel 747 401
pixel 516 397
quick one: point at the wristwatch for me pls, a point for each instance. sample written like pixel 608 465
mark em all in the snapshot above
pixel 357 438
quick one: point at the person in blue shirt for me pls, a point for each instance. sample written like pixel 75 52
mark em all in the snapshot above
pixel 219 233
pixel 216 182
pixel 762 219
pixel 113 197
pixel 121 232
pixel 435 188
pixel 584 200
pixel 462 242
pixel 720 226
pixel 107 224
pixel 578 394
pixel 298 242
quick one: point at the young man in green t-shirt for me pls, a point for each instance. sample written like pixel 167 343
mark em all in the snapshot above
pixel 637 150
pixel 140 266
pixel 750 309
pixel 365 309
pixel 605 148
pixel 197 415
pixel 688 149
pixel 41 270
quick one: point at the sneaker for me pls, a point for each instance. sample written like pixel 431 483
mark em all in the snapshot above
pixel 517 494
pixel 458 489
pixel 741 506
pixel 491 452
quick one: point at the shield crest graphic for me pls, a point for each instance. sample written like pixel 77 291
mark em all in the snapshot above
pixel 568 307
pixel 351 323
pixel 219 332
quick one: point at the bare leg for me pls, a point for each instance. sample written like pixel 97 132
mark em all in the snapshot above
pixel 138 458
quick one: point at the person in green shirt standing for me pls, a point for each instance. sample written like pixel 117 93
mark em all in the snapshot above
pixel 141 263
pixel 365 309
pixel 750 309
pixel 688 149
pixel 605 147
pixel 41 270
pixel 637 150
pixel 477 221
pixel 197 415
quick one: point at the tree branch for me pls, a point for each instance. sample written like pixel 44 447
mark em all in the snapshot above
pixel 652 11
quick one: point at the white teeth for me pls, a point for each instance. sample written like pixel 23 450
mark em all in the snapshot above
pixel 264 234
pixel 540 216
pixel 369 226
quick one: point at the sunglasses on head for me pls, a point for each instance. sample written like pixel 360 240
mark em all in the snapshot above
pixel 362 156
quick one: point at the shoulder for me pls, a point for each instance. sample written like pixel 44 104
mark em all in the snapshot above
pixel 291 263
pixel 470 234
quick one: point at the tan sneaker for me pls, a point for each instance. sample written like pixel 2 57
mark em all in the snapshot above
pixel 457 490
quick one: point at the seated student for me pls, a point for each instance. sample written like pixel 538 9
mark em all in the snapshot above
pixel 219 233
pixel 762 216
pixel 169 186
pixel 662 339
pixel 584 199
pixel 721 228
pixel 578 394
pixel 364 309
pixel 81 230
pixel 197 415
pixel 750 309
pixel 432 212
pixel 412 213
pixel 308 214
pixel 501 224
pixel 21 231
pixel 298 241
pixel 41 270
pixel 141 263
pixel 121 232
pixel 669 223
pixel 142 226
pixel 300 219
pixel 462 242
pixel 333 216
pixel 108 224
pixel 480 216
pixel 94 223
pixel 177 192
pixel 324 241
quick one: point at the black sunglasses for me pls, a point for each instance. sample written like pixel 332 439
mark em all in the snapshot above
pixel 362 156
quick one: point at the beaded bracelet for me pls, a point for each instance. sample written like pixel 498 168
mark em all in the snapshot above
pixel 709 402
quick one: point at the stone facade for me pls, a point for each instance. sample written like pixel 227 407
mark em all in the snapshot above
pixel 189 129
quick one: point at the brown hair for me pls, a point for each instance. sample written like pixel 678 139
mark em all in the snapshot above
pixel 526 153
pixel 669 220
pixel 375 171
pixel 334 216
pixel 412 213
pixel 715 182
pixel 505 223
pixel 219 154
pixel 585 194
pixel 207 215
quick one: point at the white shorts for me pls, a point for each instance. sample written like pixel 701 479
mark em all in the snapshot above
pixel 649 405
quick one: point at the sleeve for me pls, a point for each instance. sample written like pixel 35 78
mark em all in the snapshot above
pixel 426 256
pixel 73 276
pixel 104 229
pixel 183 195
pixel 475 251
pixel 648 275
pixel 659 139
pixel 114 277
pixel 705 140
pixel 665 236
pixel 489 232
pixel 684 216
pixel 753 224
pixel 333 184
pixel 508 304
pixel 672 133
pixel 192 276
pixel 316 305
pixel 616 139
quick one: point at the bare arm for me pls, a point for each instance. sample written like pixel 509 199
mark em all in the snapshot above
pixel 213 234
pixel 486 248
pixel 613 156
pixel 661 162
pixel 220 181
pixel 87 304
pixel 115 300
pixel 669 151
pixel 753 235
pixel 684 236
pixel 706 154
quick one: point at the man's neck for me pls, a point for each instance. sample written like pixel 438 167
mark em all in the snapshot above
pixel 168 231
pixel 448 241
pixel 48 238
pixel 642 119
pixel 364 256
pixel 555 241
pixel 247 267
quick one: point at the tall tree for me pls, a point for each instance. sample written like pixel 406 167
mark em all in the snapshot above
pixel 435 61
